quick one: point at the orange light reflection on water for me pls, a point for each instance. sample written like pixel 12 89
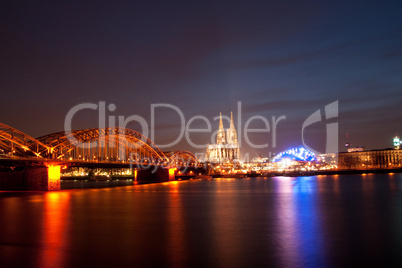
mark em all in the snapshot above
pixel 55 237
pixel 175 226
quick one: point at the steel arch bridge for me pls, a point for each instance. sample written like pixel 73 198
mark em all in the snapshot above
pixel 182 158
pixel 108 144
pixel 17 143
pixel 96 145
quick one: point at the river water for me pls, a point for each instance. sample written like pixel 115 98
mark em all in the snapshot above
pixel 320 221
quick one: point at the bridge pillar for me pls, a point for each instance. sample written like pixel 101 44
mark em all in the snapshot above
pixel 53 178
pixel 42 178
pixel 31 179
pixel 172 174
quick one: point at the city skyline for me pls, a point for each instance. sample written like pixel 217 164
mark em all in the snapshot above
pixel 277 59
pixel 208 133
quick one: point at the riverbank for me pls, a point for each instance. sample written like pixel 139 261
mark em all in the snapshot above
pixel 325 172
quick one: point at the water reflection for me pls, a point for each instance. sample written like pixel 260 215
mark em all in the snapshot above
pixel 55 227
pixel 175 224
pixel 329 221
pixel 309 218
pixel 226 221
pixel 299 221
pixel 11 223
pixel 288 249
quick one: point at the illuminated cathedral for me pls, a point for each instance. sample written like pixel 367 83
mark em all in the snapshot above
pixel 226 149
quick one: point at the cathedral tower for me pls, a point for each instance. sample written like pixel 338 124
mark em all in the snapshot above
pixel 226 149
pixel 220 137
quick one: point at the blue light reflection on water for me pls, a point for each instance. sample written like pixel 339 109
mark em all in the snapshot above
pixel 298 223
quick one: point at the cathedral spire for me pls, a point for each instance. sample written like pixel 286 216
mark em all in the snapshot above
pixel 220 138
pixel 232 135
pixel 231 121
pixel 220 122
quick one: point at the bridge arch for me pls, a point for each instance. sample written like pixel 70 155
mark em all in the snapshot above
pixel 17 143
pixel 107 144
pixel 182 158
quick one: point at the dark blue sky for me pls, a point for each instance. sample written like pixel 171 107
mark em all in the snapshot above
pixel 275 57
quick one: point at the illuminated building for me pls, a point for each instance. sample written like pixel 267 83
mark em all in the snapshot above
pixel 226 148
pixel 388 158
pixel 259 160
pixel 329 159
pixel 296 154
pixel 355 149
pixel 295 159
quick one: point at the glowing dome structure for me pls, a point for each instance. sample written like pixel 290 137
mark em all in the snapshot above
pixel 296 154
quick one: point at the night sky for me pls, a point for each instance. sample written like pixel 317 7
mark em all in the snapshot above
pixel 275 57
